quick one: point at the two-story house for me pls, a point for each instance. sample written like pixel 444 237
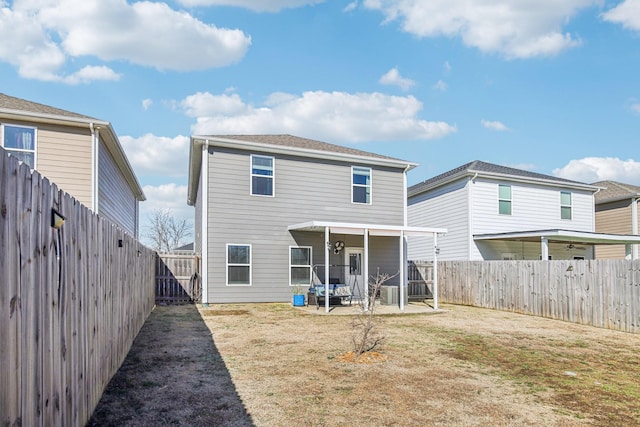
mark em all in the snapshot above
pixel 275 211
pixel 617 212
pixel 80 154
pixel 495 212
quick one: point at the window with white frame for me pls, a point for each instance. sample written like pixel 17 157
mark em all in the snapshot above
pixel 238 265
pixel 565 205
pixel 299 265
pixel 504 199
pixel 361 185
pixel 262 168
pixel 20 141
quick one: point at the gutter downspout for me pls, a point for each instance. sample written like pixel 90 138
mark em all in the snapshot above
pixel 634 225
pixel 95 146
pixel 470 242
pixel 204 229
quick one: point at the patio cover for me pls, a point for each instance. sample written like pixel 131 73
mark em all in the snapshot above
pixel 564 236
pixel 366 230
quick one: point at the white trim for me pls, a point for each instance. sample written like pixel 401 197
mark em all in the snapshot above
pixel 370 186
pixel 510 199
pixel 204 229
pixel 21 150
pixel 227 265
pixel 570 206
pixel 563 236
pixel 358 228
pixel 310 266
pixel 273 175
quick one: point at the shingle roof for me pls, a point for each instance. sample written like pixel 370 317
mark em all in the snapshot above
pixel 17 104
pixel 615 191
pixel 303 143
pixel 478 166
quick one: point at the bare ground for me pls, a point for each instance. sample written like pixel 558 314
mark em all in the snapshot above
pixel 273 365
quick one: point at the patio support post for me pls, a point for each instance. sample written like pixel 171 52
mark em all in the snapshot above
pixel 435 271
pixel 634 225
pixel 544 250
pixel 327 244
pixel 365 269
pixel 204 245
pixel 402 263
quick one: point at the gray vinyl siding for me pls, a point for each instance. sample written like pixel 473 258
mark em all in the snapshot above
pixel 444 207
pixel 116 201
pixel 305 190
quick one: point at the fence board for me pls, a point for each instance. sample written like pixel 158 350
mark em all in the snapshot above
pixel 602 293
pixel 71 301
pixel 176 278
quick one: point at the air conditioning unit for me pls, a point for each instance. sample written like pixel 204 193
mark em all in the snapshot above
pixel 388 295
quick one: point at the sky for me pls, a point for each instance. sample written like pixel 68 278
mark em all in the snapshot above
pixel 542 85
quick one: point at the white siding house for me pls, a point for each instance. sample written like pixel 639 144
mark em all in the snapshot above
pixel 494 212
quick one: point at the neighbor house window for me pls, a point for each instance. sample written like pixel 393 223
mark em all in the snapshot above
pixel 262 175
pixel 361 185
pixel 565 205
pixel 504 199
pixel 21 142
pixel 299 266
pixel 238 264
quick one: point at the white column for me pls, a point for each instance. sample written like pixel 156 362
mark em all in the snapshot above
pixel 365 269
pixel 327 243
pixel 634 225
pixel 544 249
pixel 435 271
pixel 402 276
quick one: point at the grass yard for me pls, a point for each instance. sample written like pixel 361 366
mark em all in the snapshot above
pixel 273 365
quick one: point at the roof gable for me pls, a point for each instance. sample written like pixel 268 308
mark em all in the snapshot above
pixel 484 169
pixel 613 191
pixel 16 104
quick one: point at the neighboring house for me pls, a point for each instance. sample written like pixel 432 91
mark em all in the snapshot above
pixel 80 154
pixel 495 212
pixel 275 211
pixel 617 212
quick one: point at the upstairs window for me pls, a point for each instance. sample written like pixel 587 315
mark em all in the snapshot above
pixel 300 266
pixel 262 175
pixel 565 205
pixel 361 185
pixel 504 199
pixel 21 142
pixel 239 265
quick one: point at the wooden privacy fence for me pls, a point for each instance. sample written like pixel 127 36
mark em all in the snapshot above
pixel 72 300
pixel 177 281
pixel 602 293
pixel 420 280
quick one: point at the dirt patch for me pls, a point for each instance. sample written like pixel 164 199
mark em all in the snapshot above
pixel 270 364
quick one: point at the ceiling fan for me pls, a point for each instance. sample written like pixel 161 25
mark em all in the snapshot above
pixel 571 246
pixel 338 246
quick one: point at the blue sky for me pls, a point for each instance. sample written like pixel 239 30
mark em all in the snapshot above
pixel 542 85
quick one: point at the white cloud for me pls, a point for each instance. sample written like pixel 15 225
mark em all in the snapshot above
pixel 446 67
pixel 393 77
pixel 635 108
pixel 626 13
pixel 157 155
pixel 350 7
pixel 255 5
pixel 45 35
pixel 593 169
pixel 441 86
pixel 331 116
pixel 146 103
pixel 494 125
pixel 516 29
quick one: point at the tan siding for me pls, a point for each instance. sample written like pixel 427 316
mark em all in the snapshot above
pixel 63 155
pixel 614 218
pixel 116 201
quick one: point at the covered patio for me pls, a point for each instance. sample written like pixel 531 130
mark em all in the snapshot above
pixel 569 237
pixel 328 228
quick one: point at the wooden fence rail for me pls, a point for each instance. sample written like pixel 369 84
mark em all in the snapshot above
pixel 72 300
pixel 602 293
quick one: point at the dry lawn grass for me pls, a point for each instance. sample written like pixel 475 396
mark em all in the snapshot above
pixel 273 365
